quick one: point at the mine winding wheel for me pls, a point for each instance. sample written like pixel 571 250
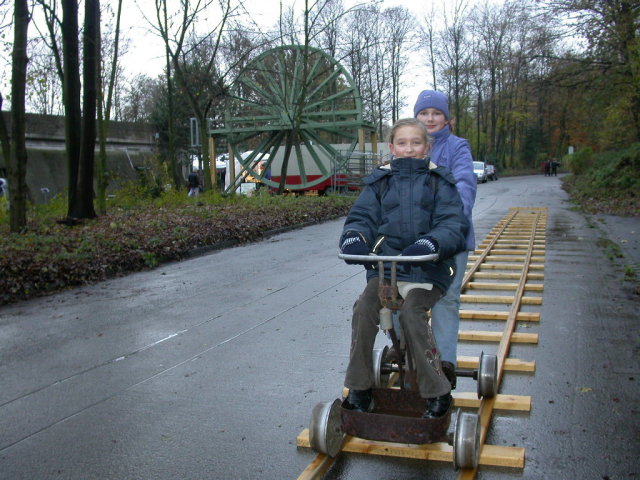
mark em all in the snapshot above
pixel 290 107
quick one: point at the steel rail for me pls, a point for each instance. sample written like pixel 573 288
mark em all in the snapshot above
pixel 485 411
pixel 529 220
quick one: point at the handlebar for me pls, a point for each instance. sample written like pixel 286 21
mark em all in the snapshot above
pixel 389 258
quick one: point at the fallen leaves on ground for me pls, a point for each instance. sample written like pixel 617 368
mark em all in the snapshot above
pixel 52 257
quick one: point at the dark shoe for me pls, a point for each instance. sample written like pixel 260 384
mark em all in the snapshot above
pixel 450 372
pixel 391 356
pixel 360 400
pixel 438 406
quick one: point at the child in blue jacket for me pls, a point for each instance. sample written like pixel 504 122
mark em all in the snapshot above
pixel 411 207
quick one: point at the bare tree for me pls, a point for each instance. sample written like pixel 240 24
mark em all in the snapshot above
pixel 174 36
pixel 455 57
pixel 398 22
pixel 289 31
pixel 18 156
pixel 327 26
pixel 44 89
pixel 5 143
pixel 428 41
pixel 141 96
pixel 368 54
pixel 105 103
pixel 491 31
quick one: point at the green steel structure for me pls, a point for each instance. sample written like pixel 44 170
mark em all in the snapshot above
pixel 294 108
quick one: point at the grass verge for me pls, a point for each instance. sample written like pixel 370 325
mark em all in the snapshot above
pixel 608 183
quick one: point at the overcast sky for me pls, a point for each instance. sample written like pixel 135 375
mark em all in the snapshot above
pixel 146 51
pixel 145 54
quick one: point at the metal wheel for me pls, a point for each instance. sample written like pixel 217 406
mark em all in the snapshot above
pixel 466 440
pixel 289 106
pixel 487 376
pixel 379 355
pixel 325 433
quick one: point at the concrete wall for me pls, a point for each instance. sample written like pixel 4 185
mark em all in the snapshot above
pixel 128 145
pixel 50 128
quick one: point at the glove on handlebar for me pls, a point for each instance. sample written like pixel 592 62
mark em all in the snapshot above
pixel 422 246
pixel 354 244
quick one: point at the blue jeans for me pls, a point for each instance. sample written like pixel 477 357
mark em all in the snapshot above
pixel 445 315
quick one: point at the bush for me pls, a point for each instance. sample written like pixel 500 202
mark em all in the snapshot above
pixel 608 182
pixel 617 171
pixel 579 162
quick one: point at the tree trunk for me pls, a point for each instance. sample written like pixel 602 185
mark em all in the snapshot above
pixel 171 153
pixel 206 154
pixel 83 208
pixel 71 97
pixel 102 180
pixel 5 143
pixel 102 176
pixel 18 157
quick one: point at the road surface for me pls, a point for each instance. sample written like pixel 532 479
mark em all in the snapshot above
pixel 209 368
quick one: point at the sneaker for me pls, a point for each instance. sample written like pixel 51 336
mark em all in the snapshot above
pixel 438 406
pixel 360 400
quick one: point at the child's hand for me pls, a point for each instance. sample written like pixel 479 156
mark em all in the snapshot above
pixel 422 246
pixel 353 244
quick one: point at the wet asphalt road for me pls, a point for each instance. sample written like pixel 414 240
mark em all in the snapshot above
pixel 209 368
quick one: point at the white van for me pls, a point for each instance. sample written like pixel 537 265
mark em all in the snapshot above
pixel 480 172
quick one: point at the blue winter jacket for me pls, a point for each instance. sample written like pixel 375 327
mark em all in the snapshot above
pixel 400 204
pixel 454 153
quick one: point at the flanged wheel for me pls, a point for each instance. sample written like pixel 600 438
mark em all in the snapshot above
pixel 290 106
pixel 466 440
pixel 325 433
pixel 487 376
pixel 381 378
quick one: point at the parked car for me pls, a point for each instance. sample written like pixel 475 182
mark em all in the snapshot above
pixel 480 171
pixel 492 173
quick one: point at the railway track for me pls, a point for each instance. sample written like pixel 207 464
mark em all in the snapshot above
pixel 503 283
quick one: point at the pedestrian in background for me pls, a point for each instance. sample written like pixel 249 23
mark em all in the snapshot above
pixel 454 153
pixel 4 193
pixel 193 184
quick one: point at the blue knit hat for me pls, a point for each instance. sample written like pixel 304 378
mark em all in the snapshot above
pixel 432 99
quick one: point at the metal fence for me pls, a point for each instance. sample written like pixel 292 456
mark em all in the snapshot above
pixel 350 167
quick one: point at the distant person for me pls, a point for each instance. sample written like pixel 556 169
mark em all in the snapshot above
pixel 454 153
pixel 4 193
pixel 193 184
pixel 554 168
pixel 410 187
pixel 547 168
pixel 264 170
